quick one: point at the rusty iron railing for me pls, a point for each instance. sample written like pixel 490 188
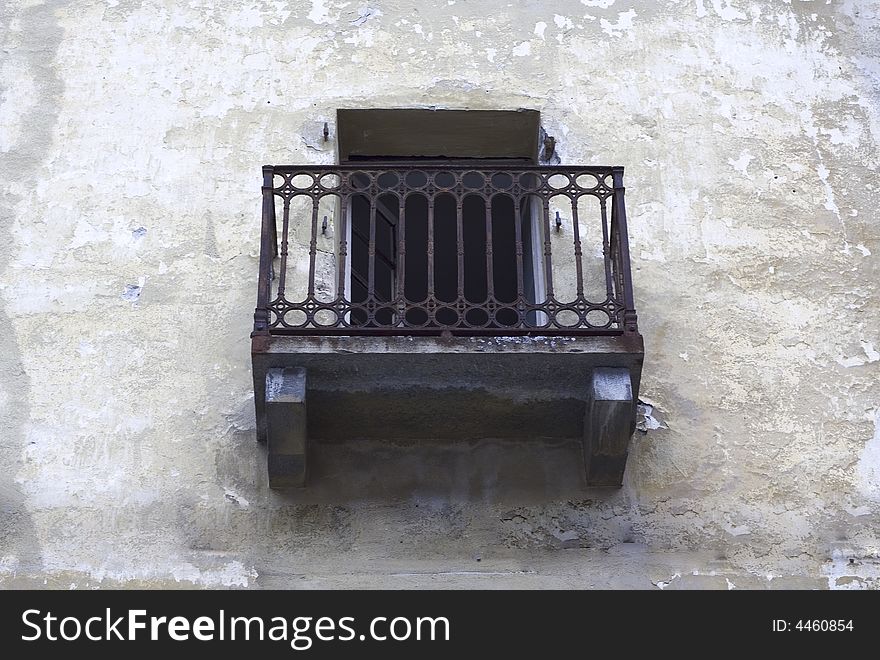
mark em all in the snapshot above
pixel 484 255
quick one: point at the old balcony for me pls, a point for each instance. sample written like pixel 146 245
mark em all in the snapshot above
pixel 445 302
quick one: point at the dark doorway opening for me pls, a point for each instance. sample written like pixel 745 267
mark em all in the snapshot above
pixel 437 272
pixel 460 261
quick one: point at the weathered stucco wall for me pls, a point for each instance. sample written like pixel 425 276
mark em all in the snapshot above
pixel 131 136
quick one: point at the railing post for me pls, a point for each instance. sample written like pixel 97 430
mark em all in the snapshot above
pixel 268 247
pixel 630 319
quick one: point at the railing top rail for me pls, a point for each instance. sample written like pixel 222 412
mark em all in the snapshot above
pixel 433 166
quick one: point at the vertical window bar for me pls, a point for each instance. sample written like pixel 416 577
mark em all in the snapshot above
pixel 343 246
pixel 614 250
pixel 285 227
pixel 520 286
pixel 313 245
pixel 371 252
pixel 578 261
pixel 548 257
pixel 431 248
pixel 460 247
pixel 490 271
pixel 606 250
pixel 274 236
pixel 401 259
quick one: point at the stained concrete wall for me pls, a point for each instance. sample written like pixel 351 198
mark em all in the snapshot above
pixel 131 135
